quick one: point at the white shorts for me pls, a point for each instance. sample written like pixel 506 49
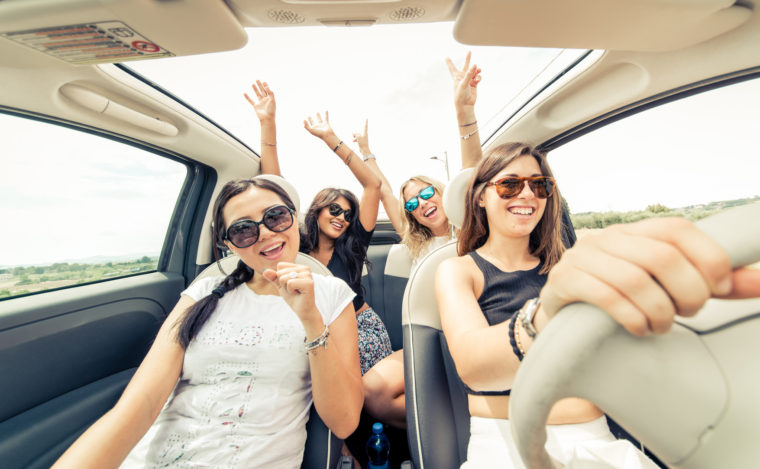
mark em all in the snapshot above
pixel 579 445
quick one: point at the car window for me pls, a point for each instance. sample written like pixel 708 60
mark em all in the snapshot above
pixel 691 157
pixel 79 208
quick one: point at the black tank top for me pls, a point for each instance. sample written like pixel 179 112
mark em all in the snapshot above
pixel 504 293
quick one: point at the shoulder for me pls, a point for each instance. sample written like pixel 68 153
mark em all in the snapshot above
pixel 202 287
pixel 457 268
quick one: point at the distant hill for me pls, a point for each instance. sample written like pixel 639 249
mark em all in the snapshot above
pixel 89 260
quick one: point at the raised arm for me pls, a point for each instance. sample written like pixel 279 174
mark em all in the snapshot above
pixel 370 199
pixel 110 439
pixel 387 197
pixel 265 108
pixel 465 94
pixel 481 353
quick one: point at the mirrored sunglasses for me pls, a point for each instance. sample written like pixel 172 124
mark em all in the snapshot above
pixel 426 193
pixel 336 210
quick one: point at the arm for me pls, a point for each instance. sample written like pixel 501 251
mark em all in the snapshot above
pixel 389 200
pixel 265 110
pixel 465 94
pixel 482 353
pixel 370 200
pixel 110 439
pixel 335 376
pixel 644 274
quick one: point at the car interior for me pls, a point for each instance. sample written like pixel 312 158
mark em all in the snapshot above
pixel 67 353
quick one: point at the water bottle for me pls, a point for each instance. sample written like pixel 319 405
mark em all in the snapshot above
pixel 378 448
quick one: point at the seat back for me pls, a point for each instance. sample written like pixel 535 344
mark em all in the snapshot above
pixel 322 449
pixel 398 264
pixel 438 420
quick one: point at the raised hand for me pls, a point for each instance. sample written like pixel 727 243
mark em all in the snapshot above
pixel 265 106
pixel 319 128
pixel 465 82
pixel 296 287
pixel 362 139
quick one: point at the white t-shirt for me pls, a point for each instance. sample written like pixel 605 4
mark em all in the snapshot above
pixel 244 394
pixel 431 246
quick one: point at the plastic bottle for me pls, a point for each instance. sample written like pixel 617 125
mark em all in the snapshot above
pixel 378 448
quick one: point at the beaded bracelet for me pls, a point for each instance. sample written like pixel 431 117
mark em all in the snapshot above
pixel 518 353
pixel 318 342
pixel 337 146
pixel 467 136
pixel 467 125
pixel 517 336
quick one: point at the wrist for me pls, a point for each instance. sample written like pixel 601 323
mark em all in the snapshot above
pixel 313 325
pixel 465 113
pixel 365 151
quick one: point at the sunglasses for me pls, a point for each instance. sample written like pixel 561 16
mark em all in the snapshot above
pixel 245 233
pixel 336 210
pixel 412 204
pixel 508 187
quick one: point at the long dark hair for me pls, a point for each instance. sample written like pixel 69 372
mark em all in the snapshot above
pixel 197 315
pixel 348 246
pixel 545 239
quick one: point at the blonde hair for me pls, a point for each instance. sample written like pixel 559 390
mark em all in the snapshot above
pixel 414 234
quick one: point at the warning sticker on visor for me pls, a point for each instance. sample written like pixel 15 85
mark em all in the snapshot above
pixel 90 43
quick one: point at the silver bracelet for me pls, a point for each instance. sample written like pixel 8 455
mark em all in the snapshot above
pixel 369 157
pixel 526 315
pixel 467 136
pixel 318 342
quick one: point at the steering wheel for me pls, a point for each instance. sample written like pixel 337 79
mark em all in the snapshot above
pixel 691 395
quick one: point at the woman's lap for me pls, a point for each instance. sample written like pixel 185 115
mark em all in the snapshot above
pixel 374 341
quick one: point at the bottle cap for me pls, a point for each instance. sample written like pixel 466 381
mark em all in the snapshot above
pixel 377 427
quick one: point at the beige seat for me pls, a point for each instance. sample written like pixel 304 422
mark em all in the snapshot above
pixel 438 424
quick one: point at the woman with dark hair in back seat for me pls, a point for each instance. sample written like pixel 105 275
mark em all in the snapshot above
pixel 240 358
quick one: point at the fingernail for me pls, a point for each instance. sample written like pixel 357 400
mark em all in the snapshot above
pixel 724 286
pixel 265 270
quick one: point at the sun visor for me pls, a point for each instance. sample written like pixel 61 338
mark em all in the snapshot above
pixel 652 25
pixel 102 31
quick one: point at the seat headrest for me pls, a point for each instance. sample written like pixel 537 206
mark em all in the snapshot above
pixel 289 188
pixel 453 196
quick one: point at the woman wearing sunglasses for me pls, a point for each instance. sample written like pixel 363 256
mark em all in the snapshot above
pixel 510 239
pixel 240 358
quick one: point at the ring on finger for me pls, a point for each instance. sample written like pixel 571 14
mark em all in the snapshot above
pixel 293 275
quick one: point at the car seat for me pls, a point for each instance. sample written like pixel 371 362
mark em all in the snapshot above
pixel 438 422
pixel 689 395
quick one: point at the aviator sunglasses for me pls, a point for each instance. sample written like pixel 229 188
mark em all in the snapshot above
pixel 245 233
pixel 336 210
pixel 426 193
pixel 508 187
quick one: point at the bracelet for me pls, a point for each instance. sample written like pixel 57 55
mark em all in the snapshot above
pixel 467 136
pixel 369 157
pixel 527 313
pixel 517 337
pixel 338 146
pixel 269 144
pixel 467 125
pixel 348 158
pixel 515 349
pixel 318 342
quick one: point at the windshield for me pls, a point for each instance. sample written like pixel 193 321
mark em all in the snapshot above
pixel 393 75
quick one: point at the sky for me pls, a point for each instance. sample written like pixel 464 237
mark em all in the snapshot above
pixel 117 201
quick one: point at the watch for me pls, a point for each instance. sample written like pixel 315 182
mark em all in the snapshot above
pixel 527 313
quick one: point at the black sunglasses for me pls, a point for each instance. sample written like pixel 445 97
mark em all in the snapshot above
pixel 245 233
pixel 336 210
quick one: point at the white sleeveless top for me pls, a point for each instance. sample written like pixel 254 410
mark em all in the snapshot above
pixel 244 394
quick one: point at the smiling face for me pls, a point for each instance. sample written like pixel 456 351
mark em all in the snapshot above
pixel 270 247
pixel 429 212
pixel 516 216
pixel 331 225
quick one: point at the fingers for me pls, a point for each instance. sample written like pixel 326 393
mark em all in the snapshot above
pixel 257 88
pixel 249 99
pixel 701 251
pixel 745 283
pixel 293 278
pixel 467 60
pixel 366 125
pixel 452 69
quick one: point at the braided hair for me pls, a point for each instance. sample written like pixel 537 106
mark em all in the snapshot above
pixel 197 315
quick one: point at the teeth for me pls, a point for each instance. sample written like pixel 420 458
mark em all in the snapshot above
pixel 272 248
pixel 521 210
pixel 431 210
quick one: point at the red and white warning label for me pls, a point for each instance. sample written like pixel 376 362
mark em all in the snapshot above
pixel 91 43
